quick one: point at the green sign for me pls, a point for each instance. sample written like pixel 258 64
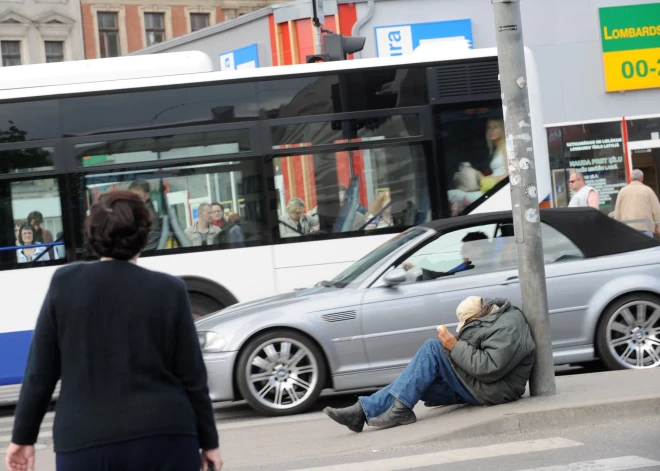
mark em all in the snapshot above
pixel 631 46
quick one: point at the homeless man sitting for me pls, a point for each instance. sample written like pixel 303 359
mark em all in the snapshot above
pixel 489 363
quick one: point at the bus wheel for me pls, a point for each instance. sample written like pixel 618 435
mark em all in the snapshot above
pixel 207 297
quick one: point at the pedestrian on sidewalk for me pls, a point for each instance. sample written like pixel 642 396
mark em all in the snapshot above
pixel 489 363
pixel 637 201
pixel 583 195
pixel 134 390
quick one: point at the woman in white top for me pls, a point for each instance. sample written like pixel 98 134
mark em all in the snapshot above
pixel 385 218
pixel 26 237
pixel 495 137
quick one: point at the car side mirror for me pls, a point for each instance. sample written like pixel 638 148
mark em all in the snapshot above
pixel 395 277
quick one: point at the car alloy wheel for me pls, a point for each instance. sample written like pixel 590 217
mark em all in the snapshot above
pixel 633 334
pixel 281 373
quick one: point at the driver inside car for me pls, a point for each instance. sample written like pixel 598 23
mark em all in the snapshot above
pixel 474 252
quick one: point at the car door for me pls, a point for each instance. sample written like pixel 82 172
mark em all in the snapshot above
pixel 398 319
pixel 568 290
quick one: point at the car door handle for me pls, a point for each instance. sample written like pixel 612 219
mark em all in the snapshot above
pixel 511 280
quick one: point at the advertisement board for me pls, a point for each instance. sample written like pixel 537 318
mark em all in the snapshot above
pixel 402 40
pixel 630 37
pixel 244 58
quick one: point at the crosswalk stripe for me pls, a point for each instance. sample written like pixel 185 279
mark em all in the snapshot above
pixel 453 456
pixel 610 464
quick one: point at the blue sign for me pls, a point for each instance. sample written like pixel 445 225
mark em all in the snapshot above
pixel 244 58
pixel 401 40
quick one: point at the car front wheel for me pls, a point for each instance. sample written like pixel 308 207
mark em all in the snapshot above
pixel 281 373
pixel 628 335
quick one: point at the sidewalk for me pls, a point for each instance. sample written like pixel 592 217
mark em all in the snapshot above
pixel 581 399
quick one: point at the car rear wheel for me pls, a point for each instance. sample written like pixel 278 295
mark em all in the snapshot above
pixel 628 335
pixel 281 373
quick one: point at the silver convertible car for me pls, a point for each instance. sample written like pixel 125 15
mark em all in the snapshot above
pixel 361 329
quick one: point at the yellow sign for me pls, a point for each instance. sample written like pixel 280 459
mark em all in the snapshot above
pixel 630 37
pixel 632 70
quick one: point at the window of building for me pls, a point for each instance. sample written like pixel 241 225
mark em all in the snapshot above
pixel 360 190
pixel 199 21
pixel 11 53
pixel 108 34
pixel 54 51
pixel 154 26
pixel 34 211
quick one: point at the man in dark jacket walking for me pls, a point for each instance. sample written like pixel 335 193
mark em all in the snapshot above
pixel 488 363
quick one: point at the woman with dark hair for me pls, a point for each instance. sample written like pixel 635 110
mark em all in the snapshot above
pixel 26 236
pixel 134 391
pixel 41 235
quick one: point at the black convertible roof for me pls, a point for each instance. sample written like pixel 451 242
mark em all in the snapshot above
pixel 594 233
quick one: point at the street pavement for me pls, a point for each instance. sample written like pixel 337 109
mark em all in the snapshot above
pixel 440 438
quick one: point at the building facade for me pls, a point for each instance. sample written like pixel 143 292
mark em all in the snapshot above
pixel 115 28
pixel 36 31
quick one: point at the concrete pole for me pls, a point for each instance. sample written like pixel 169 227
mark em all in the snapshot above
pixel 316 24
pixel 524 194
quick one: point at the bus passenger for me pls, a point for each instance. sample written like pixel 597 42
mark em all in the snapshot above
pixel 41 235
pixel 143 190
pixel 26 236
pixel 203 232
pixel 295 222
pixel 18 223
pixel 218 215
pixel 380 215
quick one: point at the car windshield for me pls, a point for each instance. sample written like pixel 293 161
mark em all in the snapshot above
pixel 363 265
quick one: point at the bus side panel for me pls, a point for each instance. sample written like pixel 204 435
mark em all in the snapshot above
pixel 304 264
pixel 19 317
pixel 230 268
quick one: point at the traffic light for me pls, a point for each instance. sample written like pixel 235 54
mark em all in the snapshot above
pixel 337 47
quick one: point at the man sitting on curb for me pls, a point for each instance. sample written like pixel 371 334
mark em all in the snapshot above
pixel 489 363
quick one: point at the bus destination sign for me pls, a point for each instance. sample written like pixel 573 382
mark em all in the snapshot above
pixel 631 46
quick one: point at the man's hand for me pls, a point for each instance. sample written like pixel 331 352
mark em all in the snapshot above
pixel 447 339
pixel 211 457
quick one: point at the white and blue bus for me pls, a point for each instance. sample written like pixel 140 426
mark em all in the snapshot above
pixel 306 168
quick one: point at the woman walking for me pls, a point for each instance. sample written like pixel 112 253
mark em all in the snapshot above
pixel 121 338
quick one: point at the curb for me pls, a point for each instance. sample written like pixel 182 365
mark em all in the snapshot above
pixel 555 418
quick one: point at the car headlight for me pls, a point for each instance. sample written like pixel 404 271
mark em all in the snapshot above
pixel 210 342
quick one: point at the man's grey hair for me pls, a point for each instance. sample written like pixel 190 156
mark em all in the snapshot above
pixel 637 175
pixel 296 205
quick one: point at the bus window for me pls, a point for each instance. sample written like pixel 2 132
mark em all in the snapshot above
pixel 32 217
pixel 182 201
pixel 350 191
pixel 179 146
pixel 27 160
pixel 474 151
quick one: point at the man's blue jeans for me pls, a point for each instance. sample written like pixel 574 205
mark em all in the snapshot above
pixel 428 377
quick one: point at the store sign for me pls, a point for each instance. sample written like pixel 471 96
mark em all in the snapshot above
pixel 593 149
pixel 631 46
pixel 243 58
pixel 402 40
